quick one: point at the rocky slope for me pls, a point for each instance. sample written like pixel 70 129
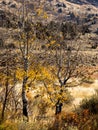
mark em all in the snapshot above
pixel 55 9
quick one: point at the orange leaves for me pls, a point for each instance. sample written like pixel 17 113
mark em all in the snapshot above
pixel 29 95
pixel 75 118
pixel 85 112
pixel 52 42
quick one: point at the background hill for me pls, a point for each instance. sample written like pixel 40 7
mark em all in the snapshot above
pixel 56 9
pixel 78 11
pixel 81 2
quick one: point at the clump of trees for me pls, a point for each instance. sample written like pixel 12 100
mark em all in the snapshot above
pixel 69 30
pixel 52 71
pixel 85 29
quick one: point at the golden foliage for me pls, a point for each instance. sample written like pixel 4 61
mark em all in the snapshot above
pixel 39 11
pixel 19 74
pixel 8 125
pixel 45 15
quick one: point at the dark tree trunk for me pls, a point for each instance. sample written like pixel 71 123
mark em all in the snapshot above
pixel 24 100
pixel 57 123
pixel 58 106
pixel 5 101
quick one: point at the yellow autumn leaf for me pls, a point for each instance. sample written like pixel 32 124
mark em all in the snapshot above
pixel 31 74
pixel 52 42
pixel 39 12
pixel 45 16
pixel 19 74
pixel 29 96
pixel 50 89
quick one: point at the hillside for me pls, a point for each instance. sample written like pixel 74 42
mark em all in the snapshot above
pixel 81 2
pixel 55 9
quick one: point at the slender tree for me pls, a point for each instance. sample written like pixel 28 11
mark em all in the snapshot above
pixel 25 35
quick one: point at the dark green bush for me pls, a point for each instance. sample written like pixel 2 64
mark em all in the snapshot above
pixel 90 104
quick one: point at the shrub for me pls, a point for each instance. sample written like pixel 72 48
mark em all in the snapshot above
pixel 90 104
pixel 11 46
pixel 8 125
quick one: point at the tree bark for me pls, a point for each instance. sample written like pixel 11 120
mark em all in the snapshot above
pixel 25 78
pixel 58 108
pixel 24 100
pixel 6 91
pixel 5 101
